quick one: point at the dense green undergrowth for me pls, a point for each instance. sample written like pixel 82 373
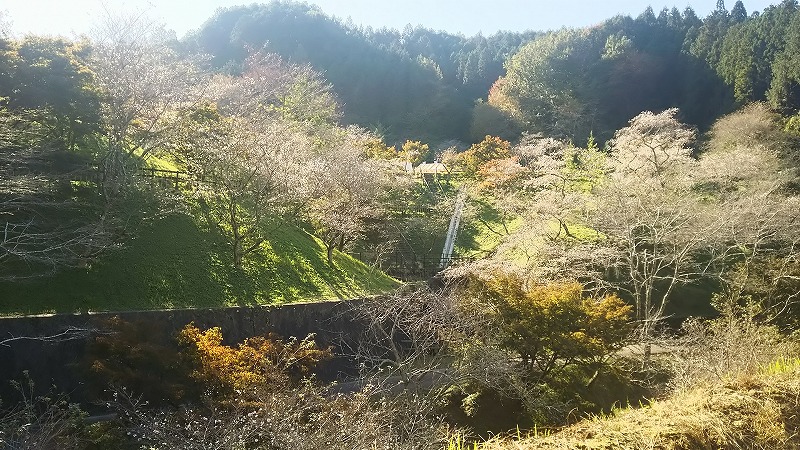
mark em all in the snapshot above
pixel 174 263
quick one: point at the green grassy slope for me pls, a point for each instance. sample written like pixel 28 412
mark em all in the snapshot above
pixel 481 234
pixel 174 263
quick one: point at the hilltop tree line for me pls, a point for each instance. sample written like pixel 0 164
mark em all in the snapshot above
pixel 424 84
pixel 410 84
pixel 607 74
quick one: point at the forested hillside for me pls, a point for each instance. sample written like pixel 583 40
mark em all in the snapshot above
pixel 414 84
pixel 606 74
pixel 567 83
pixel 277 120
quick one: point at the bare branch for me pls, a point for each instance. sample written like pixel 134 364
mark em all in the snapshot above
pixel 70 333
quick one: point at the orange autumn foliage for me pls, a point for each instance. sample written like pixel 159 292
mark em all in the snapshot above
pixel 490 148
pixel 262 363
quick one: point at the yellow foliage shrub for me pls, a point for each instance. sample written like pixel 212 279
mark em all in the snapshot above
pixel 553 325
pixel 263 363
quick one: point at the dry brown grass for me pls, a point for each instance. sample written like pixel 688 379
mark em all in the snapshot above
pixel 757 411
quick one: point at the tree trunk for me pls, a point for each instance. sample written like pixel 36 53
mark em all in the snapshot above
pixel 648 351
pixel 330 253
pixel 237 255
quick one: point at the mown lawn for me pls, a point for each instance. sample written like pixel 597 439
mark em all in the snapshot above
pixel 175 263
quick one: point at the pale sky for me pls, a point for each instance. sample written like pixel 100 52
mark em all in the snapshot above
pixel 68 17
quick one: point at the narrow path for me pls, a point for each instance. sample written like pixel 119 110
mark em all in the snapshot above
pixel 452 231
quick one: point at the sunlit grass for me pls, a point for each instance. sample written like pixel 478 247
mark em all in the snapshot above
pixel 458 442
pixel 176 263
pixel 160 161
pixel 481 234
pixel 752 412
pixel 577 231
pixel 782 365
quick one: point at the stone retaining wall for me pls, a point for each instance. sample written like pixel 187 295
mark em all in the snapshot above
pixel 57 361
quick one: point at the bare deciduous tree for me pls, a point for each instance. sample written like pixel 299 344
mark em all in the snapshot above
pixel 421 342
pixel 653 218
pixel 269 85
pixel 563 179
pixel 304 418
pixel 142 79
pixel 43 228
pixel 659 232
pixel 751 179
pixel 652 146
pixel 39 422
pixel 247 172
pixel 350 190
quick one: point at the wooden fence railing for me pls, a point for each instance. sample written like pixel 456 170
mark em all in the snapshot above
pixel 167 178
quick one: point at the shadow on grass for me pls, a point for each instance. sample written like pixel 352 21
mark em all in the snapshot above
pixel 173 263
pixel 485 231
